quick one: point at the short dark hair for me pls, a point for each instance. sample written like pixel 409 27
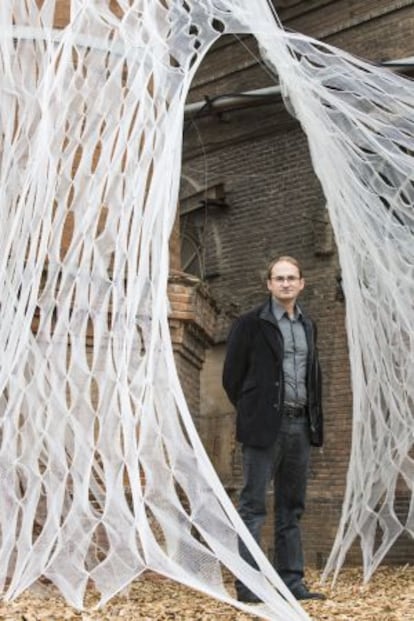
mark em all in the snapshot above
pixel 286 258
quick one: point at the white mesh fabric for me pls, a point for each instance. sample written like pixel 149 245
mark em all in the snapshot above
pixel 359 120
pixel 102 472
pixel 103 475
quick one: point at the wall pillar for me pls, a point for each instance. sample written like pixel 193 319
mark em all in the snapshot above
pixel 192 322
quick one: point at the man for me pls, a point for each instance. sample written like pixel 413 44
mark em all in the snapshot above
pixel 272 376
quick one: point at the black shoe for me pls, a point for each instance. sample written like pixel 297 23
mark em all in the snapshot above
pixel 248 598
pixel 301 592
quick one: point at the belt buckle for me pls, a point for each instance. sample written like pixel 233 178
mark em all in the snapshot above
pixel 294 411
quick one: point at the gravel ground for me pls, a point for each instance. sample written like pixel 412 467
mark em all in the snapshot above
pixel 389 596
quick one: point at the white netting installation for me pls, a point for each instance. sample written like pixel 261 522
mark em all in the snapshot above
pixel 102 474
pixel 359 120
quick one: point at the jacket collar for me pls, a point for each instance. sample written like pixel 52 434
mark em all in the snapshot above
pixel 265 312
pixel 273 312
pixel 278 311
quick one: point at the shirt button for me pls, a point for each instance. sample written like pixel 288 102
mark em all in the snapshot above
pixel 275 405
pixel 276 383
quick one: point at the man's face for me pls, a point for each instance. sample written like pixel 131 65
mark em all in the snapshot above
pixel 285 283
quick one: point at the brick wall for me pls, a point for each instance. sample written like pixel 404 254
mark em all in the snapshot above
pixel 276 206
pixel 192 321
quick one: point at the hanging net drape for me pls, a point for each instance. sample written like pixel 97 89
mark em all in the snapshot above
pixel 102 474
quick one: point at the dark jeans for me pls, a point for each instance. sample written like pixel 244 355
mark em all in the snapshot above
pixel 286 464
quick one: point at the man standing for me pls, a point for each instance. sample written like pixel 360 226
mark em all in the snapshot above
pixel 272 376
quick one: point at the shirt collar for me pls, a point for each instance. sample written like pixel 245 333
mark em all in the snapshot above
pixel 278 310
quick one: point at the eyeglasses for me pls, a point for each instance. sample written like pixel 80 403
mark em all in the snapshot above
pixel 281 279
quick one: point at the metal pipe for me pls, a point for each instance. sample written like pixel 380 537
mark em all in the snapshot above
pixel 222 102
pixel 235 100
pixel 402 63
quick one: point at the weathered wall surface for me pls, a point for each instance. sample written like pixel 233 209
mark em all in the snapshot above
pixel 272 204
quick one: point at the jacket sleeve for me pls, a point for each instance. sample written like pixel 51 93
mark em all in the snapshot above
pixel 236 361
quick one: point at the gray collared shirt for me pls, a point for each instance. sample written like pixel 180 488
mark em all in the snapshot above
pixel 295 353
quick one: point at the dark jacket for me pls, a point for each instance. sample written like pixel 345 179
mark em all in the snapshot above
pixel 253 377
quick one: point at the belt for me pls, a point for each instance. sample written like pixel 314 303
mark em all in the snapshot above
pixel 293 410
